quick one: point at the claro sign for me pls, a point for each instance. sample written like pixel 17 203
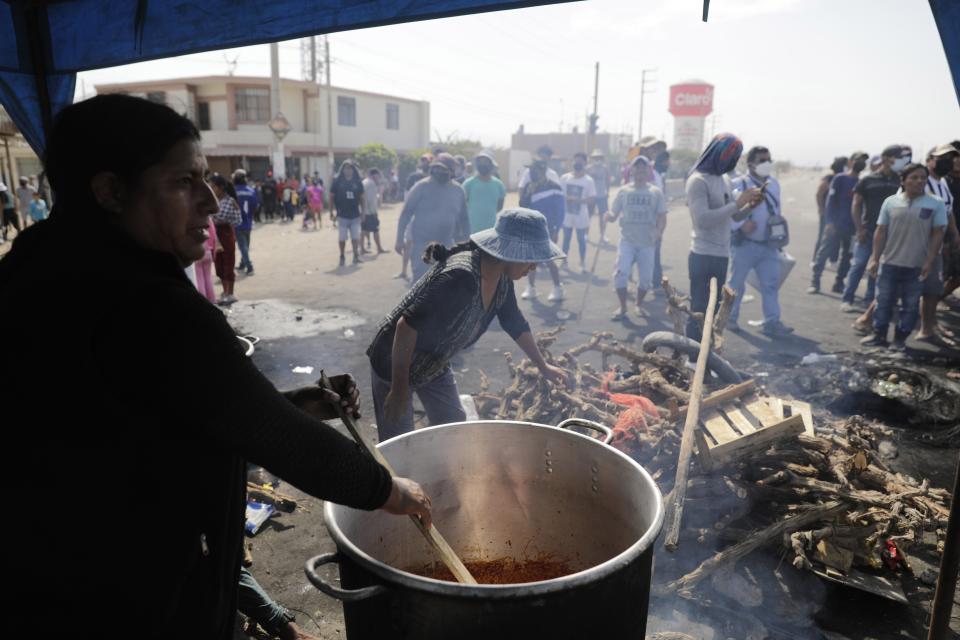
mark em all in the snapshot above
pixel 690 99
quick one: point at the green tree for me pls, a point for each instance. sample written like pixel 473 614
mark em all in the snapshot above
pixel 459 147
pixel 376 155
pixel 407 163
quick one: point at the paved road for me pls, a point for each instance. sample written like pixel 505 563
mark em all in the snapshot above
pixel 297 276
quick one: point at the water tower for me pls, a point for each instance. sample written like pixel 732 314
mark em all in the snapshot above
pixel 690 103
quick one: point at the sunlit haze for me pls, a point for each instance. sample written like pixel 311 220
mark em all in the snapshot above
pixel 809 78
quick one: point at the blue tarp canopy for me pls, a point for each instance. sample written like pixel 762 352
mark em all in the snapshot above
pixel 44 43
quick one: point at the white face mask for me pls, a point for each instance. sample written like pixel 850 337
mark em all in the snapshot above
pixel 764 169
pixel 899 164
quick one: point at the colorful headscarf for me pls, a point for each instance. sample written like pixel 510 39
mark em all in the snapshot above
pixel 721 155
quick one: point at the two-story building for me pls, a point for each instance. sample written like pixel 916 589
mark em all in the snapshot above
pixel 232 113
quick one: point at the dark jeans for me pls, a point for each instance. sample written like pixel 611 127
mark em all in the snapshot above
pixel 828 246
pixel 701 269
pixel 440 399
pixel 253 602
pixel 893 284
pixel 581 242
pixel 243 243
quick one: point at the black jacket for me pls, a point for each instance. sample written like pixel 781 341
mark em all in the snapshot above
pixel 129 410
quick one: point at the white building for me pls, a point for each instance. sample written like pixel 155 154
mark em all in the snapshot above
pixel 232 114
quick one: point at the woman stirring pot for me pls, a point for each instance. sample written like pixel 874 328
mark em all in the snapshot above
pixel 138 442
pixel 448 310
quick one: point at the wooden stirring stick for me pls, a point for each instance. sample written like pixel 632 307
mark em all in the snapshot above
pixel 437 541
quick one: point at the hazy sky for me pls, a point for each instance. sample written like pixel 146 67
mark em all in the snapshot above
pixel 811 79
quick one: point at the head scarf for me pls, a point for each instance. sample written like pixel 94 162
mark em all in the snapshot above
pixel 721 155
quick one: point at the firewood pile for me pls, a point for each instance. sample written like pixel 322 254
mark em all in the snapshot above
pixel 828 502
pixel 638 400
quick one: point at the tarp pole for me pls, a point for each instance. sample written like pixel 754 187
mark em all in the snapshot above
pixel 38 39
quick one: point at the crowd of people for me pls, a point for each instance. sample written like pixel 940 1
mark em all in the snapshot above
pixel 896 224
pixel 136 210
pixel 739 227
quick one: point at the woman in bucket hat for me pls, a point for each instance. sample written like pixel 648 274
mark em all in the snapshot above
pixel 447 310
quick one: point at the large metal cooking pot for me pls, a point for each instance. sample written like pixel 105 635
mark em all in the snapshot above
pixel 502 489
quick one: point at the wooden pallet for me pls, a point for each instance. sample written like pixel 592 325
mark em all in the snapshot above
pixel 786 408
pixel 740 427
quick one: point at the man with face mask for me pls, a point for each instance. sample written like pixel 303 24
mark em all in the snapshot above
pixel 839 224
pixel 868 197
pixel 544 154
pixel 939 164
pixel 437 209
pixel 580 191
pixel 712 206
pixel 752 250
pixel 485 193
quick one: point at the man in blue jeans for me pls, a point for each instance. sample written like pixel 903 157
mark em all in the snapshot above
pixel 752 249
pixel 868 197
pixel 906 244
pixel 249 203
pixel 838 231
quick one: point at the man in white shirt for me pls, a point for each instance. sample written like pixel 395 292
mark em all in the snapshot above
pixel 940 164
pixel 579 190
pixel 654 150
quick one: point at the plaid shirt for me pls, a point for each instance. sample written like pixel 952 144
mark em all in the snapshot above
pixel 229 212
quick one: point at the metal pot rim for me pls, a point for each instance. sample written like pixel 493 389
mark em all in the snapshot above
pixel 530 589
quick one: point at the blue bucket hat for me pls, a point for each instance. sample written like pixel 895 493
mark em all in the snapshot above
pixel 520 235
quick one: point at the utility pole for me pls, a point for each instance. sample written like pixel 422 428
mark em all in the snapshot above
pixel 643 92
pixel 277 122
pixel 326 67
pixel 593 117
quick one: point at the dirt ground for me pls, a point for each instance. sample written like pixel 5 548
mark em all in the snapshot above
pixel 309 312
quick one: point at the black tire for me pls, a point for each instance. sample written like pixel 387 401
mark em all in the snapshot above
pixel 715 363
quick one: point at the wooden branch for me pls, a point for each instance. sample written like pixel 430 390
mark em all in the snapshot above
pixel 723 315
pixel 753 542
pixel 674 511
pixel 673 307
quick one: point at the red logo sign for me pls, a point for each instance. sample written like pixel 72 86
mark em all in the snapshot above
pixel 691 99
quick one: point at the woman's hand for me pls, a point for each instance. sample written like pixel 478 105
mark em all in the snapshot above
pixel 324 404
pixel 395 404
pixel 408 498
pixel 553 374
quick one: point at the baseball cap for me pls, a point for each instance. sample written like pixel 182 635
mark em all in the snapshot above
pixel 943 150
pixel 446 161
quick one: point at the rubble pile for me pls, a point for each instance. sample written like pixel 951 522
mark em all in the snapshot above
pixel 826 501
